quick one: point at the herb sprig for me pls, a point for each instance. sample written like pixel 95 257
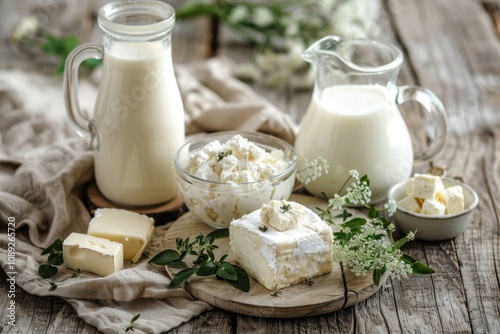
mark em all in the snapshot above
pixel 204 263
pixel 55 251
pixel 221 155
pixel 361 243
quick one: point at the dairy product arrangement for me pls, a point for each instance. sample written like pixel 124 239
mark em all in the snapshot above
pixel 239 175
pixel 282 244
pixel 427 195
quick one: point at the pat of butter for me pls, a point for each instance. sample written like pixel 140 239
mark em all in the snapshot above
pixel 433 207
pixel 454 199
pixel 427 186
pixel 132 230
pixel 410 203
pixel 96 255
pixel 281 214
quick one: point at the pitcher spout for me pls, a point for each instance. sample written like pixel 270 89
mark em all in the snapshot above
pixel 326 43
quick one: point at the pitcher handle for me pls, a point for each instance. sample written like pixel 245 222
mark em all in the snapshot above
pixel 70 85
pixel 434 107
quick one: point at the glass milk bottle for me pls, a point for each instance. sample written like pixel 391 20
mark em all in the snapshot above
pixel 353 120
pixel 138 121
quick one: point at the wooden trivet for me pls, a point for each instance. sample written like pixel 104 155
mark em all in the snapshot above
pixel 162 214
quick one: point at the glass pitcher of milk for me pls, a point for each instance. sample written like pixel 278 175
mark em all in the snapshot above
pixel 138 121
pixel 353 120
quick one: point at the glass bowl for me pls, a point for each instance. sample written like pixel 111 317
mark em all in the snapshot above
pixel 217 203
pixel 434 228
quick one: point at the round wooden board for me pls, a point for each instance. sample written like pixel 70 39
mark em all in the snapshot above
pixel 162 214
pixel 328 293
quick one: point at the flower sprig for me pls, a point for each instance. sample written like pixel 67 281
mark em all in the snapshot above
pixel 368 244
pixel 281 30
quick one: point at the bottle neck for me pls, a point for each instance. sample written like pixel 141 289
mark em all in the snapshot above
pixel 136 28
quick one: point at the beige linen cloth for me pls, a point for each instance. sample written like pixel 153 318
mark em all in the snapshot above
pixel 44 193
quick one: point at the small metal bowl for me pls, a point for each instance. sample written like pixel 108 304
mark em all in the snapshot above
pixel 434 228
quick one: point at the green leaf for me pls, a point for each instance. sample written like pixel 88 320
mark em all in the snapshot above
pixel 354 223
pixel 165 257
pixel 219 234
pixel 346 215
pixel 377 273
pixel 53 286
pixel 56 258
pixel 243 281
pixel 408 259
pixel 373 213
pixel 365 178
pixel 177 264
pixel 131 325
pixel 47 270
pixel 421 269
pixel 68 44
pixel 181 277
pixel 201 259
pixel 207 269
pixel 57 245
pixel 227 271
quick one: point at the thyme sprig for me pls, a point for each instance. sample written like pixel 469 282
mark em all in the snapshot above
pixel 204 263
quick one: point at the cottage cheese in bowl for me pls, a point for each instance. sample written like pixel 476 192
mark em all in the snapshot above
pixel 226 175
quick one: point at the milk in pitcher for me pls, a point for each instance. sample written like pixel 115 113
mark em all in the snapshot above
pixel 350 125
pixel 139 120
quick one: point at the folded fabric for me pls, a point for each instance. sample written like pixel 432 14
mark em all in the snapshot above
pixel 44 196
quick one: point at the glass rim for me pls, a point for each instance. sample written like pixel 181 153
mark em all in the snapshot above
pixel 290 169
pixel 327 45
pixel 161 14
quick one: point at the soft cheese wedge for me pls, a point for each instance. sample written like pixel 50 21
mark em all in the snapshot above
pixel 132 230
pixel 279 258
pixel 96 255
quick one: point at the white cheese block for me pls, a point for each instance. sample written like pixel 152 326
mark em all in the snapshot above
pixel 410 203
pixel 96 255
pixel 454 199
pixel 409 186
pixel 277 259
pixel 426 186
pixel 433 207
pixel 281 214
pixel 132 230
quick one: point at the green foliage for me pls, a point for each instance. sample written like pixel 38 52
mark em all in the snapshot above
pixel 204 263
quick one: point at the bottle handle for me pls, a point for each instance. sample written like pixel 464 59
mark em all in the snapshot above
pixel 435 109
pixel 70 85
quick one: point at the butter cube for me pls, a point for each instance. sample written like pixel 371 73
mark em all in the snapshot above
pixel 427 186
pixel 454 199
pixel 410 203
pixel 277 259
pixel 96 255
pixel 281 214
pixel 433 207
pixel 132 230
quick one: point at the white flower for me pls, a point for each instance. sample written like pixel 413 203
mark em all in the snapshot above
pixel 238 14
pixel 27 27
pixel 354 174
pixel 391 207
pixel 311 170
pixel 262 16
pixel 337 202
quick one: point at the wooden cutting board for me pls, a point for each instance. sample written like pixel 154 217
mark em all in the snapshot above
pixel 328 293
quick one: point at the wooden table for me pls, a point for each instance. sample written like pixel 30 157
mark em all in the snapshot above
pixel 452 47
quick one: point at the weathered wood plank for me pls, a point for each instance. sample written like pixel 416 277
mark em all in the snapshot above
pixel 453 53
